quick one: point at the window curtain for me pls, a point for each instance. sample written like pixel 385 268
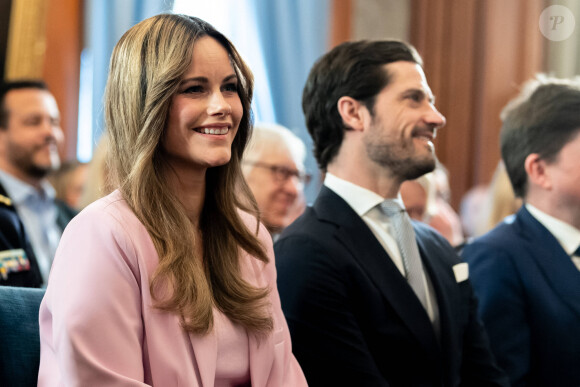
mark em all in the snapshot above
pixel 293 35
pixel 106 21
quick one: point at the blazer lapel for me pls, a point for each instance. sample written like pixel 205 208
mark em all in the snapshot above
pixel 261 359
pixel 354 234
pixel 556 265
pixel 205 350
pixel 261 350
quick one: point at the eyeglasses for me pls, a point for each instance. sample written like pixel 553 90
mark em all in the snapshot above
pixel 281 173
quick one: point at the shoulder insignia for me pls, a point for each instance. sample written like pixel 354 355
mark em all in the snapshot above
pixel 5 200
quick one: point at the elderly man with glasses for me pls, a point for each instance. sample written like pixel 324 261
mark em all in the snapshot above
pixel 274 169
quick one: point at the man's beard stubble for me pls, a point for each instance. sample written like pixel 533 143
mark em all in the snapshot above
pixel 395 158
pixel 25 162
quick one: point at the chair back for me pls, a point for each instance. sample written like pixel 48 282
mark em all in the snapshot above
pixel 19 336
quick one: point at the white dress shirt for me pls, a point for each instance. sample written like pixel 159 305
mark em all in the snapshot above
pixel 365 203
pixel 567 235
pixel 38 214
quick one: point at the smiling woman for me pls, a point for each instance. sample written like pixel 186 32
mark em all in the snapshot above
pixel 205 112
pixel 189 269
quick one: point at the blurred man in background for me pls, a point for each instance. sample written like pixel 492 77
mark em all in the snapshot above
pixel 526 271
pixel 274 169
pixel 30 135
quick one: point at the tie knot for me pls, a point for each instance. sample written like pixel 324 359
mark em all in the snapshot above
pixel 391 208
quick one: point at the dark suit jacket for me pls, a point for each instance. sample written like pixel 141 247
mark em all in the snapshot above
pixel 529 291
pixel 19 269
pixel 64 213
pixel 13 236
pixel 355 321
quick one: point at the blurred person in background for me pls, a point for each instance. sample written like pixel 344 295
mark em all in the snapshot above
pixel 499 202
pixel 69 182
pixel 470 209
pixel 30 137
pixel 446 219
pixel 427 201
pixel 97 182
pixel 273 166
pixel 526 271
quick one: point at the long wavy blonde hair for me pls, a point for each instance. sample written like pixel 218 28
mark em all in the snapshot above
pixel 147 65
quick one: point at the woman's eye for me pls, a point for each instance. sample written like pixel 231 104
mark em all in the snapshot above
pixel 194 89
pixel 233 87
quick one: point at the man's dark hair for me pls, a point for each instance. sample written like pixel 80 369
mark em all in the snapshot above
pixel 353 69
pixel 5 87
pixel 542 120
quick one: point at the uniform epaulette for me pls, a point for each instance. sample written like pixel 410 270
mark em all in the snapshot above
pixel 5 200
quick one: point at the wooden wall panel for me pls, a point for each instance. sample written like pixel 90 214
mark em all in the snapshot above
pixel 476 54
pixel 340 22
pixel 62 64
pixel 457 86
pixel 512 47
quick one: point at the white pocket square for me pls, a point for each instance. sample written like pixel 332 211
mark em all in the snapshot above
pixel 461 271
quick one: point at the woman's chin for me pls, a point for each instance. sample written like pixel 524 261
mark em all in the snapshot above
pixel 218 161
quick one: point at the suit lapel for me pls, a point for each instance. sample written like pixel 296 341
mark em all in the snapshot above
pixel 444 284
pixel 354 234
pixel 556 265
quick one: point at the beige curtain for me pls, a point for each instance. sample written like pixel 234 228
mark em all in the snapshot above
pixel 381 19
pixel 563 58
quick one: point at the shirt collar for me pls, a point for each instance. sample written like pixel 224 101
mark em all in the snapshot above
pixel 567 235
pixel 19 191
pixel 360 199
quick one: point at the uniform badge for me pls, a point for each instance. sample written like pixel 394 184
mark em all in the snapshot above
pixel 13 261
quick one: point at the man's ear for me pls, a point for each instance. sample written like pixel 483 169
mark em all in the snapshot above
pixel 537 172
pixel 352 112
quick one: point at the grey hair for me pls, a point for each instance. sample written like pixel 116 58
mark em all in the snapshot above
pixel 269 135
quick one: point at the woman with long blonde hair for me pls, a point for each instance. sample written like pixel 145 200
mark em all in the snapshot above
pixel 170 279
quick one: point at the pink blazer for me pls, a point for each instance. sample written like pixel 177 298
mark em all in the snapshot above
pixel 97 325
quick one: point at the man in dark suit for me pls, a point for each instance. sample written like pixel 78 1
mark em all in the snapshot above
pixel 371 299
pixel 526 271
pixel 30 135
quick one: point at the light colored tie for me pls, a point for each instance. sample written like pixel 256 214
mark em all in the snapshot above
pixel 405 237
